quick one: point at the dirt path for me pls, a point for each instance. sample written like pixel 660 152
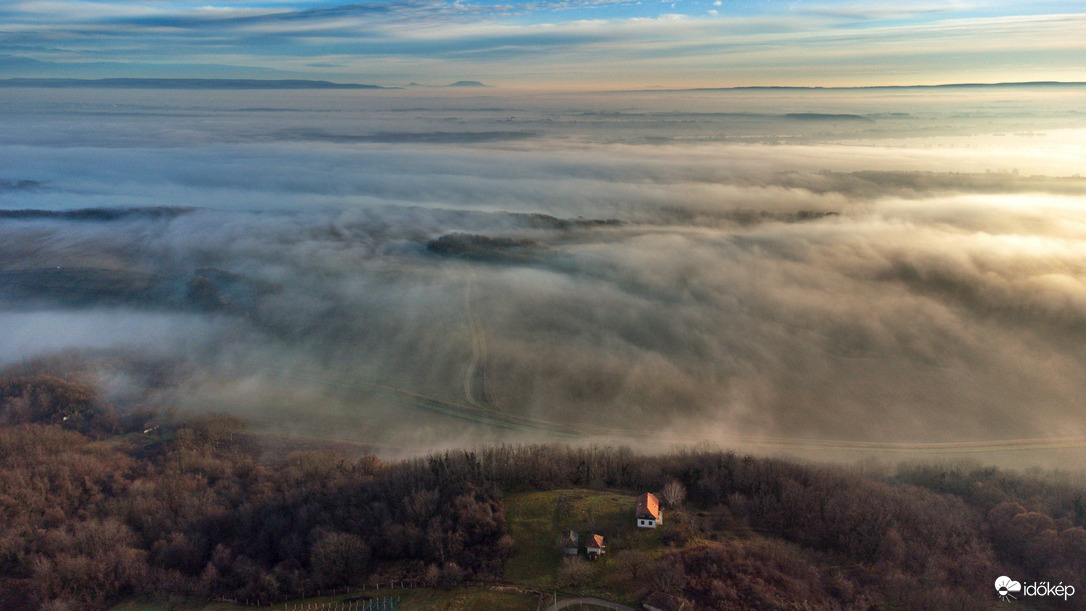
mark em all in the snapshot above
pixel 587 600
pixel 473 378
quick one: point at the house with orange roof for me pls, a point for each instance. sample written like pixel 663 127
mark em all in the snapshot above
pixel 649 514
pixel 594 546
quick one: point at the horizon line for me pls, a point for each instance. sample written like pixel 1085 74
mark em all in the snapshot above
pixel 249 83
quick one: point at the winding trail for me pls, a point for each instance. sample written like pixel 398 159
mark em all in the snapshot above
pixel 588 600
pixel 479 414
pixel 475 371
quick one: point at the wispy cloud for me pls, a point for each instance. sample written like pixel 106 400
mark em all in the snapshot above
pixel 604 43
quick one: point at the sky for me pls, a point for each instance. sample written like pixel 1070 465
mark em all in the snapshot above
pixel 559 44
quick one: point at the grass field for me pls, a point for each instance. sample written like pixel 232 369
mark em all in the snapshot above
pixel 467 599
pixel 420 599
pixel 537 518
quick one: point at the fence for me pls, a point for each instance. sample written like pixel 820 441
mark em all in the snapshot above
pixel 336 606
pixel 350 604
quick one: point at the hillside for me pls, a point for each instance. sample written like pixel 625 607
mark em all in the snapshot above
pixel 99 507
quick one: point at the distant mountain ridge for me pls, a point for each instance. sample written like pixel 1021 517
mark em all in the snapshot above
pixel 456 84
pixel 183 83
pixel 859 87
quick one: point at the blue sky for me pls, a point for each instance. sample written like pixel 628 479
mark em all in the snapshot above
pixel 570 44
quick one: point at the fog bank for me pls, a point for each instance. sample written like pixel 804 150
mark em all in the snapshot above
pixel 805 271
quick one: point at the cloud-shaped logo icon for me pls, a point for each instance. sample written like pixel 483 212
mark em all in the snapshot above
pixel 1005 585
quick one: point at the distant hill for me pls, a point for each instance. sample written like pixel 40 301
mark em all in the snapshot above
pixel 182 83
pixel 939 86
pixel 456 84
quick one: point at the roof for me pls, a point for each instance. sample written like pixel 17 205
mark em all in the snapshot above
pixel 594 541
pixel 648 506
pixel 570 536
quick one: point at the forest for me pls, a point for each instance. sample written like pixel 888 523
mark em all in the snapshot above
pixel 97 506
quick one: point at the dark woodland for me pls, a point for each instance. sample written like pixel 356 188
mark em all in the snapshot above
pixel 96 506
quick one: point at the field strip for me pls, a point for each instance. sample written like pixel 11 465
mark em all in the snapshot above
pixel 487 415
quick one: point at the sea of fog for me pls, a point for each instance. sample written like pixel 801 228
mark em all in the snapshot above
pixel 829 273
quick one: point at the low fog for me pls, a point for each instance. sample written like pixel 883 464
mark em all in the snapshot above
pixel 802 272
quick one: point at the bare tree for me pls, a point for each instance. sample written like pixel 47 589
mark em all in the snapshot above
pixel 633 561
pixel 669 577
pixel 575 571
pixel 432 576
pixel 339 558
pixel 674 493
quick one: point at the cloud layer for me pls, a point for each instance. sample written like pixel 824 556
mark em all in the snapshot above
pixel 607 270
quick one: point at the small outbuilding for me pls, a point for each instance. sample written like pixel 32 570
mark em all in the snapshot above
pixel 649 514
pixel 594 546
pixel 570 540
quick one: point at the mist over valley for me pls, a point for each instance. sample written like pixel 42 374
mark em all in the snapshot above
pixel 762 269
